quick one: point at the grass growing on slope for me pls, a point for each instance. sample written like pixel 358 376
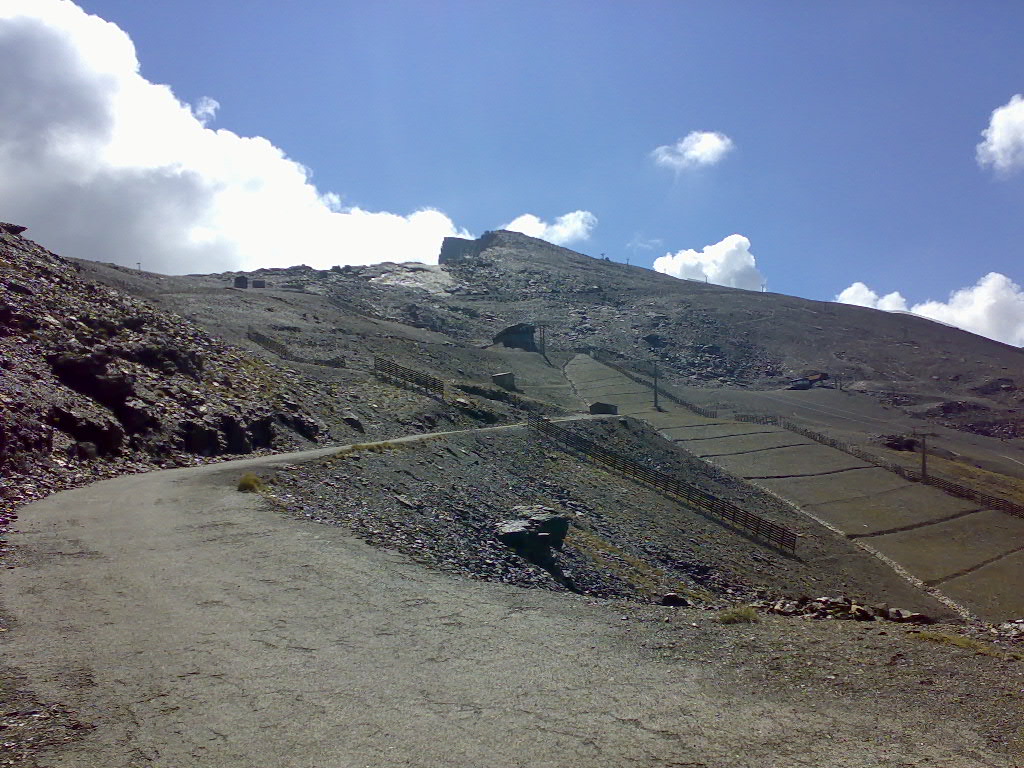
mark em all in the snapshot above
pixel 740 614
pixel 967 644
pixel 251 483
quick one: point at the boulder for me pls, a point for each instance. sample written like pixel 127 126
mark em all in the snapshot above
pixel 103 433
pixel 456 249
pixel 136 416
pixel 675 600
pixel 518 336
pixel 84 451
pixel 199 438
pixel 353 421
pixel 533 534
pixel 236 437
pixel 540 529
pixel 90 374
pixel 899 442
pixel 860 613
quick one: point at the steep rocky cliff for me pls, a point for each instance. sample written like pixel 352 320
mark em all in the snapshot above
pixel 94 381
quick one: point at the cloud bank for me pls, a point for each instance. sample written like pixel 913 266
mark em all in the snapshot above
pixel 860 295
pixel 992 307
pixel 568 228
pixel 102 164
pixel 1003 144
pixel 728 262
pixel 696 149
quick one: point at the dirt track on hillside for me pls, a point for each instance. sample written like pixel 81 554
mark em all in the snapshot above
pixel 193 626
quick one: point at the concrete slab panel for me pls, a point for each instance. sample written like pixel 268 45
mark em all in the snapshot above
pixel 994 591
pixel 828 488
pixel 911 504
pixel 812 459
pixel 942 550
pixel 711 429
pixel 677 422
pixel 745 443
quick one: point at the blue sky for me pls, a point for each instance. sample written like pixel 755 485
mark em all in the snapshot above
pixel 852 127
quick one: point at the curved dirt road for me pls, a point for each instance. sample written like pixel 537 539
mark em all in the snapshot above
pixel 196 627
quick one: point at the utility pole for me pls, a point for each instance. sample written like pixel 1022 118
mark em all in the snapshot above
pixel 924 452
pixel 541 324
pixel 656 406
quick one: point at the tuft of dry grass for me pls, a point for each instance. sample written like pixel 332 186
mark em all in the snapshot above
pixel 251 483
pixel 967 644
pixel 740 614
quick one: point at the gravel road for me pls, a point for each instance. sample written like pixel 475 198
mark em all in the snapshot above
pixel 193 625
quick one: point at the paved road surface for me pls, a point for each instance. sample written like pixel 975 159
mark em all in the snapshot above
pixel 196 627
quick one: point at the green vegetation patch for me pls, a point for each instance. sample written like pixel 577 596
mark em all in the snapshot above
pixel 740 614
pixel 251 483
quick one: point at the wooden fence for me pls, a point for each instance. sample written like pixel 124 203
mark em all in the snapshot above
pixel 605 358
pixel 955 489
pixel 391 370
pixel 700 500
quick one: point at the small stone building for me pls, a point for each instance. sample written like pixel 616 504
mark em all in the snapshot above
pixel 241 281
pixel 606 409
pixel 505 380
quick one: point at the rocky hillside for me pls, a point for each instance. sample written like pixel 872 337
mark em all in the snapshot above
pixel 716 336
pixel 442 318
pixel 96 382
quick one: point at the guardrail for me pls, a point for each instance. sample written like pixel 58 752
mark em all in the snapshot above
pixel 606 359
pixel 955 489
pixel 391 370
pixel 700 500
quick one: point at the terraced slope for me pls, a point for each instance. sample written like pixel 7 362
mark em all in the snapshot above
pixel 974 556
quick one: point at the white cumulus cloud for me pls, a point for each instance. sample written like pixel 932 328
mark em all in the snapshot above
pixel 728 262
pixel 860 295
pixel 205 109
pixel 568 228
pixel 992 307
pixel 1003 144
pixel 102 164
pixel 697 148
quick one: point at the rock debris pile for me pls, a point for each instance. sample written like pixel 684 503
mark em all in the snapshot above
pixel 843 608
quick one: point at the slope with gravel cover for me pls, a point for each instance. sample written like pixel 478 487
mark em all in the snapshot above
pixel 440 501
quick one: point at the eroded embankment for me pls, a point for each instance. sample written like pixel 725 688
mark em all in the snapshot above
pixel 441 500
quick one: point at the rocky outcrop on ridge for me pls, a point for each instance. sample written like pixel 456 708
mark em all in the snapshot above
pixel 96 382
